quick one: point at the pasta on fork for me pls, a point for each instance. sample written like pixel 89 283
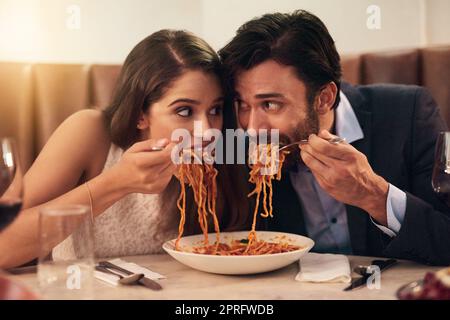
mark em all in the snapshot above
pixel 265 165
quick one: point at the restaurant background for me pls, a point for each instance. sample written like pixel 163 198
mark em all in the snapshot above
pixel 60 56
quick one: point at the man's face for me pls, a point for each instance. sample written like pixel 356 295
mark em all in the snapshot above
pixel 271 96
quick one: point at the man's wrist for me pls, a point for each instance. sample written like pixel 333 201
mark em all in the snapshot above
pixel 375 202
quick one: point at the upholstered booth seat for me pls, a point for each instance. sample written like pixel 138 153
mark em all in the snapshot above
pixel 35 99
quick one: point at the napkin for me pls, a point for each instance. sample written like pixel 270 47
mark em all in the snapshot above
pixel 316 267
pixel 133 267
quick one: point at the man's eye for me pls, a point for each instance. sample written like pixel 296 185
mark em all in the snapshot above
pixel 217 110
pixel 240 106
pixel 271 106
pixel 184 111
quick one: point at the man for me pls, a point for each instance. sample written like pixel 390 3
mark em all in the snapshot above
pixel 370 195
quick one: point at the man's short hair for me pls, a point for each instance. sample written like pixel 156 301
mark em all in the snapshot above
pixel 298 39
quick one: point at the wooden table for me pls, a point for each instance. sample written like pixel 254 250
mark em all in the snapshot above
pixel 184 283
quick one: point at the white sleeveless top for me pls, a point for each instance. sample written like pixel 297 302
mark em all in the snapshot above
pixel 131 226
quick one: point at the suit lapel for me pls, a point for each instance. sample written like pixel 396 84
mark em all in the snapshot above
pixel 358 220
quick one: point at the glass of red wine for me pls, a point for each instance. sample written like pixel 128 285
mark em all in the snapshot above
pixel 11 182
pixel 441 170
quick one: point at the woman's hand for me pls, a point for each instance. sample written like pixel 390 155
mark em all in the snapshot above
pixel 143 171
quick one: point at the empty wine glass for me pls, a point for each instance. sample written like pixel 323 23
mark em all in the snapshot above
pixel 11 182
pixel 441 169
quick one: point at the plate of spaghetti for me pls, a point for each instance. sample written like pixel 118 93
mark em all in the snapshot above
pixel 276 251
pixel 244 252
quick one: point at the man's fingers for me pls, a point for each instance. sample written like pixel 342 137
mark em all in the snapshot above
pixel 325 134
pixel 323 157
pixel 313 163
pixel 322 145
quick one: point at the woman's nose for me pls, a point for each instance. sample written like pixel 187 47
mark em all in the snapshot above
pixel 203 122
pixel 201 127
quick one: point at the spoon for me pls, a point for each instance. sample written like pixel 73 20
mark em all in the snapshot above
pixel 125 280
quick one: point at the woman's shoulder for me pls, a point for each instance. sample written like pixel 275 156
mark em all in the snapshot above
pixel 89 118
pixel 94 135
pixel 85 137
pixel 89 125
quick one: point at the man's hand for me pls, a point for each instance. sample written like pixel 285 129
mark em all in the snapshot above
pixel 346 175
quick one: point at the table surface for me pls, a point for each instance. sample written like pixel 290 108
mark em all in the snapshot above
pixel 185 283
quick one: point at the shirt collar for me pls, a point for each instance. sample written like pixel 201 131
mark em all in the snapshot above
pixel 346 124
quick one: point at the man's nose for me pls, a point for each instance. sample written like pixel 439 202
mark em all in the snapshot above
pixel 257 121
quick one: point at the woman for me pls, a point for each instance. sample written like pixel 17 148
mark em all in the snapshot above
pixel 168 80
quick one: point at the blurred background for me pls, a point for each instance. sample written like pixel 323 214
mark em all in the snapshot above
pixel 60 56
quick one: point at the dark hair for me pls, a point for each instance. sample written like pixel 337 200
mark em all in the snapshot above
pixel 148 71
pixel 299 39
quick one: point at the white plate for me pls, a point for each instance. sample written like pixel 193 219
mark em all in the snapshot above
pixel 239 264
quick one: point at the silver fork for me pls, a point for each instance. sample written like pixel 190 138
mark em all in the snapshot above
pixel 335 141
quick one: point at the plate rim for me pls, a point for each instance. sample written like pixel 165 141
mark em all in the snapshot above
pixel 307 248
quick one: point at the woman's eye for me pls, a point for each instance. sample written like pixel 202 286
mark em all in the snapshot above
pixel 216 111
pixel 184 111
pixel 271 106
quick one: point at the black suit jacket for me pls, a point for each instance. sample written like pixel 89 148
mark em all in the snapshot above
pixel 400 125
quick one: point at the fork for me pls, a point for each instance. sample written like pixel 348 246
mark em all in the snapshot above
pixel 335 141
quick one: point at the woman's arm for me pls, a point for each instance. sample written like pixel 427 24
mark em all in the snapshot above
pixel 19 242
pixel 78 148
pixel 72 151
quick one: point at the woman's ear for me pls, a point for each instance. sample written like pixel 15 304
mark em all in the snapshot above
pixel 326 98
pixel 143 122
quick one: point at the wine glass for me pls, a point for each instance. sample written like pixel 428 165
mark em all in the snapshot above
pixel 441 170
pixel 11 182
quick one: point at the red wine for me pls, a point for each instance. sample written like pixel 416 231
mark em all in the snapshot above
pixel 8 213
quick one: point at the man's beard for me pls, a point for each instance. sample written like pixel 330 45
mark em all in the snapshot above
pixel 302 130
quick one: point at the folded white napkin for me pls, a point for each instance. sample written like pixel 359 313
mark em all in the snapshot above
pixel 315 267
pixel 133 267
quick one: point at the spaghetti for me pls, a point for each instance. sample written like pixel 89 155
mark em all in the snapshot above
pixel 242 247
pixel 265 166
pixel 262 161
pixel 201 177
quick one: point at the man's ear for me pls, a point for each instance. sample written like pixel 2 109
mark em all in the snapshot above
pixel 143 122
pixel 326 98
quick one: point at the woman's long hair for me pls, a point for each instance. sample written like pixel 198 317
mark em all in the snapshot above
pixel 148 71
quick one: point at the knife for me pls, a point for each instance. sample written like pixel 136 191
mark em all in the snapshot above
pixel 146 282
pixel 359 282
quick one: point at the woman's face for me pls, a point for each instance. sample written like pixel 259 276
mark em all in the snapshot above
pixel 194 96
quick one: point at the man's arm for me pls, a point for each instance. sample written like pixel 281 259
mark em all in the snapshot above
pixel 424 234
pixel 345 174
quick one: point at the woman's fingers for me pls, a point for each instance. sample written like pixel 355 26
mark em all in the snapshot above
pixel 147 145
pixel 146 159
pixel 168 169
